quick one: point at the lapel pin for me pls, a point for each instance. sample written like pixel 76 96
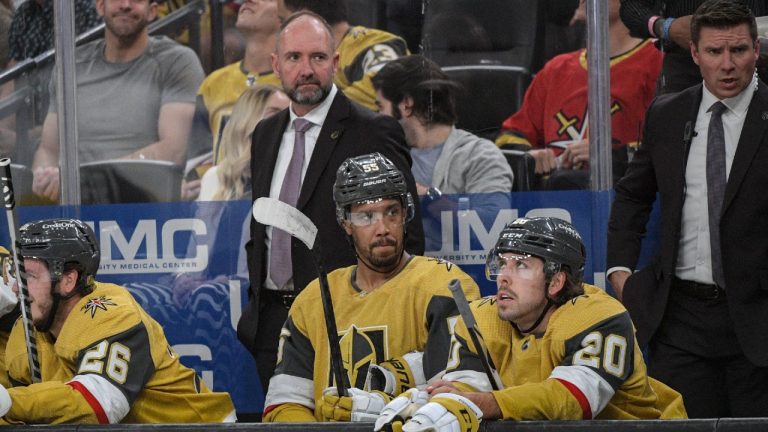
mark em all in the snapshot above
pixel 335 134
pixel 765 115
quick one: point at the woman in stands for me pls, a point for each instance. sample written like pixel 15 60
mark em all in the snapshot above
pixel 229 179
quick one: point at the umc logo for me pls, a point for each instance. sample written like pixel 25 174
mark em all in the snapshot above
pixel 148 248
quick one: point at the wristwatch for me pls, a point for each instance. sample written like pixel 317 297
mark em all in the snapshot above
pixel 433 193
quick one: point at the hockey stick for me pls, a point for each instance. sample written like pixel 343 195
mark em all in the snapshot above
pixel 9 202
pixel 271 211
pixel 474 333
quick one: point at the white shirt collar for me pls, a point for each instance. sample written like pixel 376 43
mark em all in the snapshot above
pixel 738 104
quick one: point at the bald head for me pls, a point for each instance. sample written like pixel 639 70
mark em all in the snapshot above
pixel 305 60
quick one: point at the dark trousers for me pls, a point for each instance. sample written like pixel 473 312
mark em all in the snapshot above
pixel 696 352
pixel 272 316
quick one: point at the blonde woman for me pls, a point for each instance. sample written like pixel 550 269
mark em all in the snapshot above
pixel 229 178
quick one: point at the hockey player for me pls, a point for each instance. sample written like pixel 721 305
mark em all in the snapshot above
pixel 565 350
pixel 389 308
pixel 9 307
pixel 102 358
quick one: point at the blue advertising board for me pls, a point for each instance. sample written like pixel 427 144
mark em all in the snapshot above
pixel 185 263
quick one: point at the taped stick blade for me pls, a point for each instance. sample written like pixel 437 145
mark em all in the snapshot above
pixel 271 211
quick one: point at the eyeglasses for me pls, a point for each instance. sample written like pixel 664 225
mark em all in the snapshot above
pixel 390 216
pixel 510 265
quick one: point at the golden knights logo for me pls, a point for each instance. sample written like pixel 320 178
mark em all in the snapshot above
pixel 97 303
pixel 361 347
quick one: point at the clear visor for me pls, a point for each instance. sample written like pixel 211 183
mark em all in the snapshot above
pixel 510 264
pixel 392 215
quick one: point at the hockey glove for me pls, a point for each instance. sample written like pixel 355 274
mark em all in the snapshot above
pixel 401 409
pixel 396 375
pixel 359 406
pixel 446 412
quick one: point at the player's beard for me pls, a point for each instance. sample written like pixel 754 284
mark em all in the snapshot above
pixel 384 263
pixel 314 97
pixel 41 309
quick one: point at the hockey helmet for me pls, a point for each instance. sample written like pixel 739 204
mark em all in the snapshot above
pixel 553 240
pixel 59 242
pixel 368 178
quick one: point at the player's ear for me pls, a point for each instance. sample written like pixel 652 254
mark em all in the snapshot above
pixel 556 284
pixel 68 282
pixel 347 227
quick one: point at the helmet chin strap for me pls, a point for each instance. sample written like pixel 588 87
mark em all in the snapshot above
pixel 539 319
pixel 544 311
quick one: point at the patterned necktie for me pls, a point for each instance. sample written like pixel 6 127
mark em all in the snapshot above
pixel 716 180
pixel 280 264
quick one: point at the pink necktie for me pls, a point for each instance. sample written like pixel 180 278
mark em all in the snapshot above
pixel 280 264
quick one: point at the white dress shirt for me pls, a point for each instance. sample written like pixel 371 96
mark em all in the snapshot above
pixel 694 258
pixel 317 117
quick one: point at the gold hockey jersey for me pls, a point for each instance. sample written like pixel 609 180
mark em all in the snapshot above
pixel 410 312
pixel 110 364
pixel 216 97
pixel 586 365
pixel 362 52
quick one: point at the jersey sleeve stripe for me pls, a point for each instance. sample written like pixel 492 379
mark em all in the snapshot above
pixel 597 391
pixel 586 411
pixel 111 401
pixel 285 388
pixel 101 416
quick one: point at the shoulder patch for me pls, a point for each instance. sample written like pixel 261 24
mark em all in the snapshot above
pixel 439 261
pixel 95 304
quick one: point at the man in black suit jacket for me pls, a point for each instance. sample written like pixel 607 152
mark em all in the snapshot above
pixel 706 339
pixel 305 62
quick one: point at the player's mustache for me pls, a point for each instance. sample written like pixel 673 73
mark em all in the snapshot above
pixel 384 242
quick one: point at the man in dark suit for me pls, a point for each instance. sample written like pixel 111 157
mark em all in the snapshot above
pixel 305 62
pixel 701 305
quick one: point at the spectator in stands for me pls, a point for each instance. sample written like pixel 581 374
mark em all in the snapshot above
pixel 6 14
pixel 31 34
pixel 102 358
pixel 416 92
pixel 563 349
pixel 362 51
pixel 136 96
pixel 257 20
pixel 32 26
pixel 672 26
pixel 230 179
pixel 552 122
pixel 700 304
pixel 390 308
pixel 336 129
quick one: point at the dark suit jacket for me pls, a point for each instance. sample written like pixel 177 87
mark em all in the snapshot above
pixel 349 130
pixel 659 165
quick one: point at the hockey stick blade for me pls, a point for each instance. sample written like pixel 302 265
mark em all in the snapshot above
pixel 271 211
pixel 474 333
